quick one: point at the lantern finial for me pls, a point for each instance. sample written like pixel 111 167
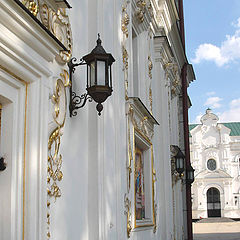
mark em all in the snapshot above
pixel 99 41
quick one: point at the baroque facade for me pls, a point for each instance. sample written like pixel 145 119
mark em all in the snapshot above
pixel 87 176
pixel 215 156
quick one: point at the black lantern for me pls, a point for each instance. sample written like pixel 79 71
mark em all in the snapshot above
pixel 179 162
pixel 99 78
pixel 190 175
pixel 2 164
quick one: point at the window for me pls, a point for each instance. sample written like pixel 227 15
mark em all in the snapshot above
pixel 211 164
pixel 143 180
pixel 141 175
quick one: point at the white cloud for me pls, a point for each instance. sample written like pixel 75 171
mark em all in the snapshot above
pixel 233 113
pixel 209 52
pixel 210 93
pixel 213 102
pixel 228 51
pixel 236 23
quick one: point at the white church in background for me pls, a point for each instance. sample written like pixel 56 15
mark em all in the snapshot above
pixel 215 156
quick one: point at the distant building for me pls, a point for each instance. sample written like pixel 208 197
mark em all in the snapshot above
pixel 215 156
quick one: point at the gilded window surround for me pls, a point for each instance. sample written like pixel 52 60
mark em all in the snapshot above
pixel 153 177
pixel 139 121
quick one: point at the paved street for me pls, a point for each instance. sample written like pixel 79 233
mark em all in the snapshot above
pixel 216 229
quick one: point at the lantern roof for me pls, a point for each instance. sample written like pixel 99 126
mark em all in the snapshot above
pixel 99 48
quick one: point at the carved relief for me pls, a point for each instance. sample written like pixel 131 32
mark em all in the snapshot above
pixel 172 72
pixel 141 125
pixel 57 22
pixel 127 212
pixel 150 67
pixel 140 11
pixel 142 7
pixel 125 20
pixel 154 179
pixel 124 26
pixel 54 172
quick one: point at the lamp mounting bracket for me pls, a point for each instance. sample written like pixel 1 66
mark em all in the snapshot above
pixel 76 101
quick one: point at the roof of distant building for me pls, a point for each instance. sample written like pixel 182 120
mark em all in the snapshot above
pixel 234 126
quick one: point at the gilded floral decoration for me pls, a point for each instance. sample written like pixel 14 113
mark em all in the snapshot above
pixel 54 163
pixel 56 21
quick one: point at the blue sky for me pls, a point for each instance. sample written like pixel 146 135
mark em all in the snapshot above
pixel 212 30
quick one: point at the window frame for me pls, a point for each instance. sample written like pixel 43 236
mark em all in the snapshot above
pixel 146 145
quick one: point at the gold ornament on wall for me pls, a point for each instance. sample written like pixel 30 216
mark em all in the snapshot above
pixel 141 125
pixel 56 21
pixel 128 214
pixel 125 20
pixel 33 8
pixel 54 163
pixel 150 67
pixel 124 27
pixel 125 69
pixel 154 179
pixel 140 11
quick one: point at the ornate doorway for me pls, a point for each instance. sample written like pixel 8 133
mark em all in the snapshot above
pixel 213 202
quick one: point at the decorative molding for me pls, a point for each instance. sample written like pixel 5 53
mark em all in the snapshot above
pixel 130 153
pixel 125 69
pixel 140 10
pixel 144 11
pixel 54 20
pixel 154 179
pixel 141 122
pixel 127 212
pixel 125 20
pixel 150 67
pixel 124 27
pixel 54 172
pixel 141 125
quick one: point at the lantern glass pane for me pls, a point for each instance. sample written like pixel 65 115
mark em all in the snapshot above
pixel 181 162
pixel 110 77
pixel 92 73
pixel 88 75
pixel 101 73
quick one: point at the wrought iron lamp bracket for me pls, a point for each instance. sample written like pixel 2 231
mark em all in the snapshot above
pixel 76 101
